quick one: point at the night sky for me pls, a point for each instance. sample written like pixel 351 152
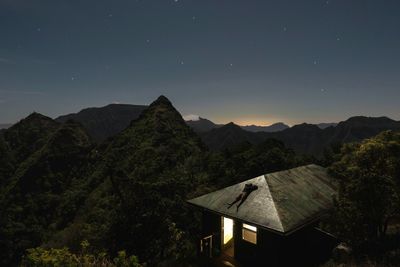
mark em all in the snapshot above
pixel 247 61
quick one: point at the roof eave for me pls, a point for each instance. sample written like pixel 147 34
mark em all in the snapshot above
pixel 281 233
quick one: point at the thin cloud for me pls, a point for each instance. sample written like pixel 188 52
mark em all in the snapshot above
pixel 191 117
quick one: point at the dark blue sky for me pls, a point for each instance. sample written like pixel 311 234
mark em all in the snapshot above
pixel 248 61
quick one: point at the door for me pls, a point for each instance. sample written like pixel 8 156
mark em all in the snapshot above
pixel 206 246
pixel 227 236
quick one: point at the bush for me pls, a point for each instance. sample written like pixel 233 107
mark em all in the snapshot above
pixel 41 257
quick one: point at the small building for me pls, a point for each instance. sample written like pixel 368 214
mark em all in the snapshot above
pixel 269 220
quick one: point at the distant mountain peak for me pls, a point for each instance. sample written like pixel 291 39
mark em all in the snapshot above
pixel 37 116
pixel 275 127
pixel 369 119
pixel 162 100
pixel 162 113
pixel 104 122
pixel 160 104
pixel 232 125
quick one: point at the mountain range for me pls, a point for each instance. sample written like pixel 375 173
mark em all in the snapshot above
pixel 104 122
pixel 312 139
pixel 303 138
pixel 60 185
pixel 204 125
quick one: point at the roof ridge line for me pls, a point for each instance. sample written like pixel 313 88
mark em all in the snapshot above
pixel 273 202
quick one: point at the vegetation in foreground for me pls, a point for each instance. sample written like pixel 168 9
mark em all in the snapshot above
pixel 57 188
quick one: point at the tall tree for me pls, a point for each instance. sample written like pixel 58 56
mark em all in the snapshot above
pixel 369 177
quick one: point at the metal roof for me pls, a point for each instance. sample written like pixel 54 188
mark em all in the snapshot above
pixel 284 201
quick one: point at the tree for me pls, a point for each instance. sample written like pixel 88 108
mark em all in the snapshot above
pixel 368 175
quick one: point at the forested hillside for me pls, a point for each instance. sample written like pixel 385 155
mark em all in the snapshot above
pixel 59 188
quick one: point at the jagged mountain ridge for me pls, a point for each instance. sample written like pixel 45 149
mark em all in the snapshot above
pixel 305 138
pixel 53 195
pixel 104 122
pixel 204 125
pixel 276 127
pixel 149 160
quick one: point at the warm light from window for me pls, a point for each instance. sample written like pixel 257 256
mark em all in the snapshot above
pixel 249 233
pixel 250 227
pixel 228 229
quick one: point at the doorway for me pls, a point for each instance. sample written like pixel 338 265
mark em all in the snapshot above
pixel 227 236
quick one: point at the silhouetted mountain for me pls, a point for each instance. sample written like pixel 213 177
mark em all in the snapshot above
pixel 229 135
pixel 144 178
pixel 276 127
pixel 29 134
pixel 5 125
pixel 358 128
pixel 46 189
pixel 325 125
pixel 304 138
pixel 202 125
pixel 107 121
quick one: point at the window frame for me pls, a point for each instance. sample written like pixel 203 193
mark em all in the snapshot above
pixel 249 231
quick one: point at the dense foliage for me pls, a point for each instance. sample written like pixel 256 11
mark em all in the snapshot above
pixel 40 257
pixel 44 192
pixel 126 193
pixel 369 195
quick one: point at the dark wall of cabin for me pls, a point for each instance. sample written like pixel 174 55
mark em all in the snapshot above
pixel 264 253
pixel 211 225
pixel 306 247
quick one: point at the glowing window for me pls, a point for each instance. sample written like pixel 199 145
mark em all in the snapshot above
pixel 228 229
pixel 249 233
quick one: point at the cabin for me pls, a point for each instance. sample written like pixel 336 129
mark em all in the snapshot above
pixel 270 220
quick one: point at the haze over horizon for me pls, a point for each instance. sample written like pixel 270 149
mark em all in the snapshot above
pixel 250 62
